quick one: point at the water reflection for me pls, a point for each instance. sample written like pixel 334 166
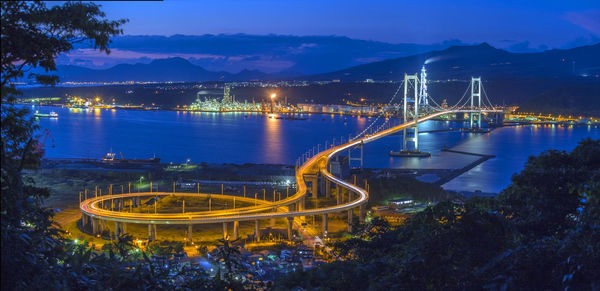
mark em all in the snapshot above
pixel 273 140
pixel 253 138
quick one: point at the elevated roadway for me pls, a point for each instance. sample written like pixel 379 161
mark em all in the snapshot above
pixel 289 208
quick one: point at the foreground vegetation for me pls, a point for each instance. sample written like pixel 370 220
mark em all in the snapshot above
pixel 541 232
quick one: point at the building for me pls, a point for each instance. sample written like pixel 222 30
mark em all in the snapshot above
pixel 401 203
pixel 333 108
pixel 392 217
pixel 226 95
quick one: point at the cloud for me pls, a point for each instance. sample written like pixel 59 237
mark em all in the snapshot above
pixel 588 20
pixel 581 41
pixel 525 47
pixel 302 48
pixel 117 54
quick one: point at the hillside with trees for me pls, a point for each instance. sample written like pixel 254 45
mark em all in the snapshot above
pixel 541 233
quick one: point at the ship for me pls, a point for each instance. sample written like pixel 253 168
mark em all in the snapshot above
pixel 111 158
pixel 51 114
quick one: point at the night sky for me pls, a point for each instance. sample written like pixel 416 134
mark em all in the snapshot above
pixel 541 22
pixel 319 36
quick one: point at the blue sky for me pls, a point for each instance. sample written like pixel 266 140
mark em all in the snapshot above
pixel 390 29
pixel 550 22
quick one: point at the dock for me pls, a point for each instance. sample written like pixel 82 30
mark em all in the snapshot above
pixel 458 172
pixel 410 154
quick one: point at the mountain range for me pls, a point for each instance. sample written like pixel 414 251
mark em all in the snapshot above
pixel 160 70
pixel 234 52
pixel 460 62
pixel 455 62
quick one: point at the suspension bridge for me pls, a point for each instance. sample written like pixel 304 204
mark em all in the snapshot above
pixel 314 175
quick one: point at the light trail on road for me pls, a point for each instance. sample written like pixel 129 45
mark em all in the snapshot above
pixel 266 210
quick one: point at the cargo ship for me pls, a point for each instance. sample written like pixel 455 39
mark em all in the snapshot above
pixel 111 158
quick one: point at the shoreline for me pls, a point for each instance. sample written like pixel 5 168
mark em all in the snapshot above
pixel 135 108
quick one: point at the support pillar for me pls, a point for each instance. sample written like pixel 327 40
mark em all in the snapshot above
pixel 151 232
pixel 362 213
pixel 95 225
pixel 302 205
pixel 224 230
pixel 257 229
pixel 350 158
pixel 313 180
pixel 123 227
pixel 236 230
pixel 327 188
pixel 117 229
pixel 189 232
pixel 272 222
pixel 315 186
pixel 338 190
pixel 289 227
pixel 350 218
pixel 83 221
pixel 325 224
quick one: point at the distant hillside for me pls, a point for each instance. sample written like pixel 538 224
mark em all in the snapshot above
pixel 161 70
pixel 456 62
pixel 551 81
pixel 567 100
pixel 480 60
pixel 235 52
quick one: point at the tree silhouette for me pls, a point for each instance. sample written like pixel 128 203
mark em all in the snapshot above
pixel 541 233
pixel 32 36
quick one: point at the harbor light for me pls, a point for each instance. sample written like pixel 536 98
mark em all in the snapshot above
pixel 273 96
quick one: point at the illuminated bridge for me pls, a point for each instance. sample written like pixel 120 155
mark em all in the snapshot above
pixel 310 168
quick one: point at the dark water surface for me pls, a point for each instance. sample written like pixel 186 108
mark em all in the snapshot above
pixel 255 138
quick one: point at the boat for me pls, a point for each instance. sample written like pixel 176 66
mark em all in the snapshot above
pixel 50 115
pixel 296 118
pixel 111 158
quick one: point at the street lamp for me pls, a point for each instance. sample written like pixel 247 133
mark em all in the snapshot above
pixel 140 183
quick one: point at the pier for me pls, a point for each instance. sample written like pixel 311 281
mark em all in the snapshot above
pixel 458 172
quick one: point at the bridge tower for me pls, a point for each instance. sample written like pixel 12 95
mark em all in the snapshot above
pixel 423 95
pixel 475 93
pixel 410 80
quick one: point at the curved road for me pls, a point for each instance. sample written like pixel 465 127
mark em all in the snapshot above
pixel 263 209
